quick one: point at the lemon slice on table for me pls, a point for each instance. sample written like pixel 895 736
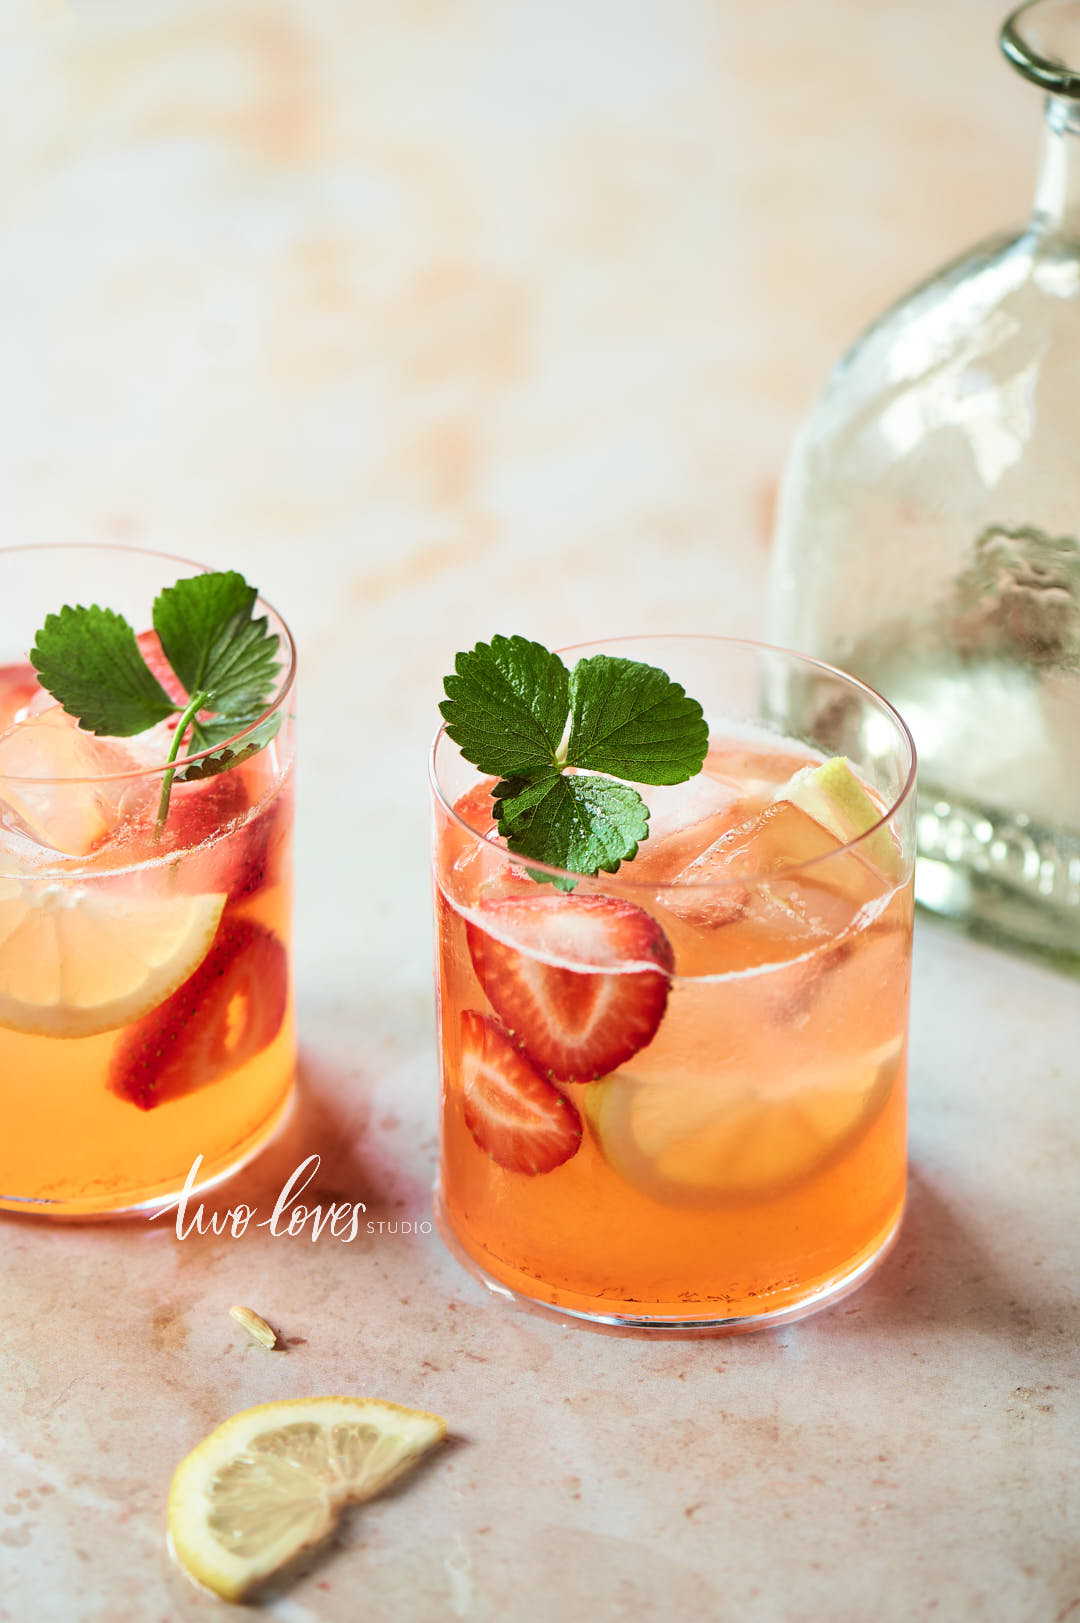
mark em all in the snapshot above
pixel 76 960
pixel 687 1143
pixel 272 1481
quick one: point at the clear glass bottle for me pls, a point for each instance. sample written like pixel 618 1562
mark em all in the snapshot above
pixel 927 537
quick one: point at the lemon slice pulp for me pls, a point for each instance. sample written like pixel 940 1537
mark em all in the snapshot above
pixel 687 1144
pixel 76 960
pixel 272 1481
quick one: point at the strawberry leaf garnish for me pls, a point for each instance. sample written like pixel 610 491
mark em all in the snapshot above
pixel 518 714
pixel 215 644
pixel 209 733
pixel 593 824
pixel 90 662
pixel 506 706
pixel 223 656
pixel 633 721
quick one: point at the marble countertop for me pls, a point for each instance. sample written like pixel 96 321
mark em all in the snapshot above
pixel 439 319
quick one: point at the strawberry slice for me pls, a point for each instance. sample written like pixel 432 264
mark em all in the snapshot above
pixel 222 1016
pixel 513 1112
pixel 19 687
pixel 262 847
pixel 477 807
pixel 576 1024
pixel 201 809
pixel 152 652
pixel 154 655
pixel 246 857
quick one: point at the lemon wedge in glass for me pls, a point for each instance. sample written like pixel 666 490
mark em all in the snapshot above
pixel 272 1482
pixel 834 797
pixel 76 960
pixel 689 1143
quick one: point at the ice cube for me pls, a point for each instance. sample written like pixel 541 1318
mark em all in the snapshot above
pixel 684 820
pixel 675 806
pixel 745 901
pixel 779 838
pixel 48 768
pixel 152 747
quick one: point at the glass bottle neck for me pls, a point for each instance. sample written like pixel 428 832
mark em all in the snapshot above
pixel 1057 196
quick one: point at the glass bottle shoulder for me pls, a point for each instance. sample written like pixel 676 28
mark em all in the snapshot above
pixel 1012 299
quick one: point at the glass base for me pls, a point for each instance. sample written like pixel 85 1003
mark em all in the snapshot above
pixel 136 1204
pixel 822 1296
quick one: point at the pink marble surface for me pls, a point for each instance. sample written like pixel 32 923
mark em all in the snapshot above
pixel 440 319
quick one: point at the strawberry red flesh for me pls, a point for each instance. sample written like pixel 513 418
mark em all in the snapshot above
pixel 154 655
pixel 201 809
pixel 515 1115
pixel 259 856
pixel 575 1024
pixel 477 807
pixel 152 652
pixel 19 687
pixel 222 1016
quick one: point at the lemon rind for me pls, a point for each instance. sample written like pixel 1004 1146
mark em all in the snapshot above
pixel 197 1550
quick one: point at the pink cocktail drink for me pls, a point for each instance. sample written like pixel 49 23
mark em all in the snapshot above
pixel 146 1014
pixel 678 1093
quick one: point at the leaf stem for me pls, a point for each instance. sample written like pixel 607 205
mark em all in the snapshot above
pixel 194 705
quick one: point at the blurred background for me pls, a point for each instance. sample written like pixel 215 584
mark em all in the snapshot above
pixel 448 317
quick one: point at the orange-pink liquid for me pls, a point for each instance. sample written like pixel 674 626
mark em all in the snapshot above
pixel 86 1126
pixel 753 1154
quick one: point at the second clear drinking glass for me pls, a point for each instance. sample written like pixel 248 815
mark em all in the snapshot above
pixel 746 1164
pixel 146 1014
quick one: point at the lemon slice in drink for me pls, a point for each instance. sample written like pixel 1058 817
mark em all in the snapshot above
pixel 689 1143
pixel 76 960
pixel 272 1481
pixel 834 797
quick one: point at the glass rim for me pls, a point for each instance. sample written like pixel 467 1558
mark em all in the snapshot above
pixel 1056 76
pixel 158 769
pixel 643 886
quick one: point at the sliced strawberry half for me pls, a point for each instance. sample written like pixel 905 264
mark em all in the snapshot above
pixel 200 828
pixel 201 809
pixel 576 1024
pixel 260 848
pixel 216 855
pixel 152 652
pixel 19 687
pixel 223 1015
pixel 516 1115
pixel 477 807
pixel 248 857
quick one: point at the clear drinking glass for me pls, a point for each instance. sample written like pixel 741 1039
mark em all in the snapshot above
pixel 743 1162
pixel 146 1012
pixel 927 537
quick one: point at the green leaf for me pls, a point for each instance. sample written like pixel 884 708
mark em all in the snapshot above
pixel 205 734
pixel 220 729
pixel 633 721
pixel 506 706
pixel 214 644
pixel 572 820
pixel 90 662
